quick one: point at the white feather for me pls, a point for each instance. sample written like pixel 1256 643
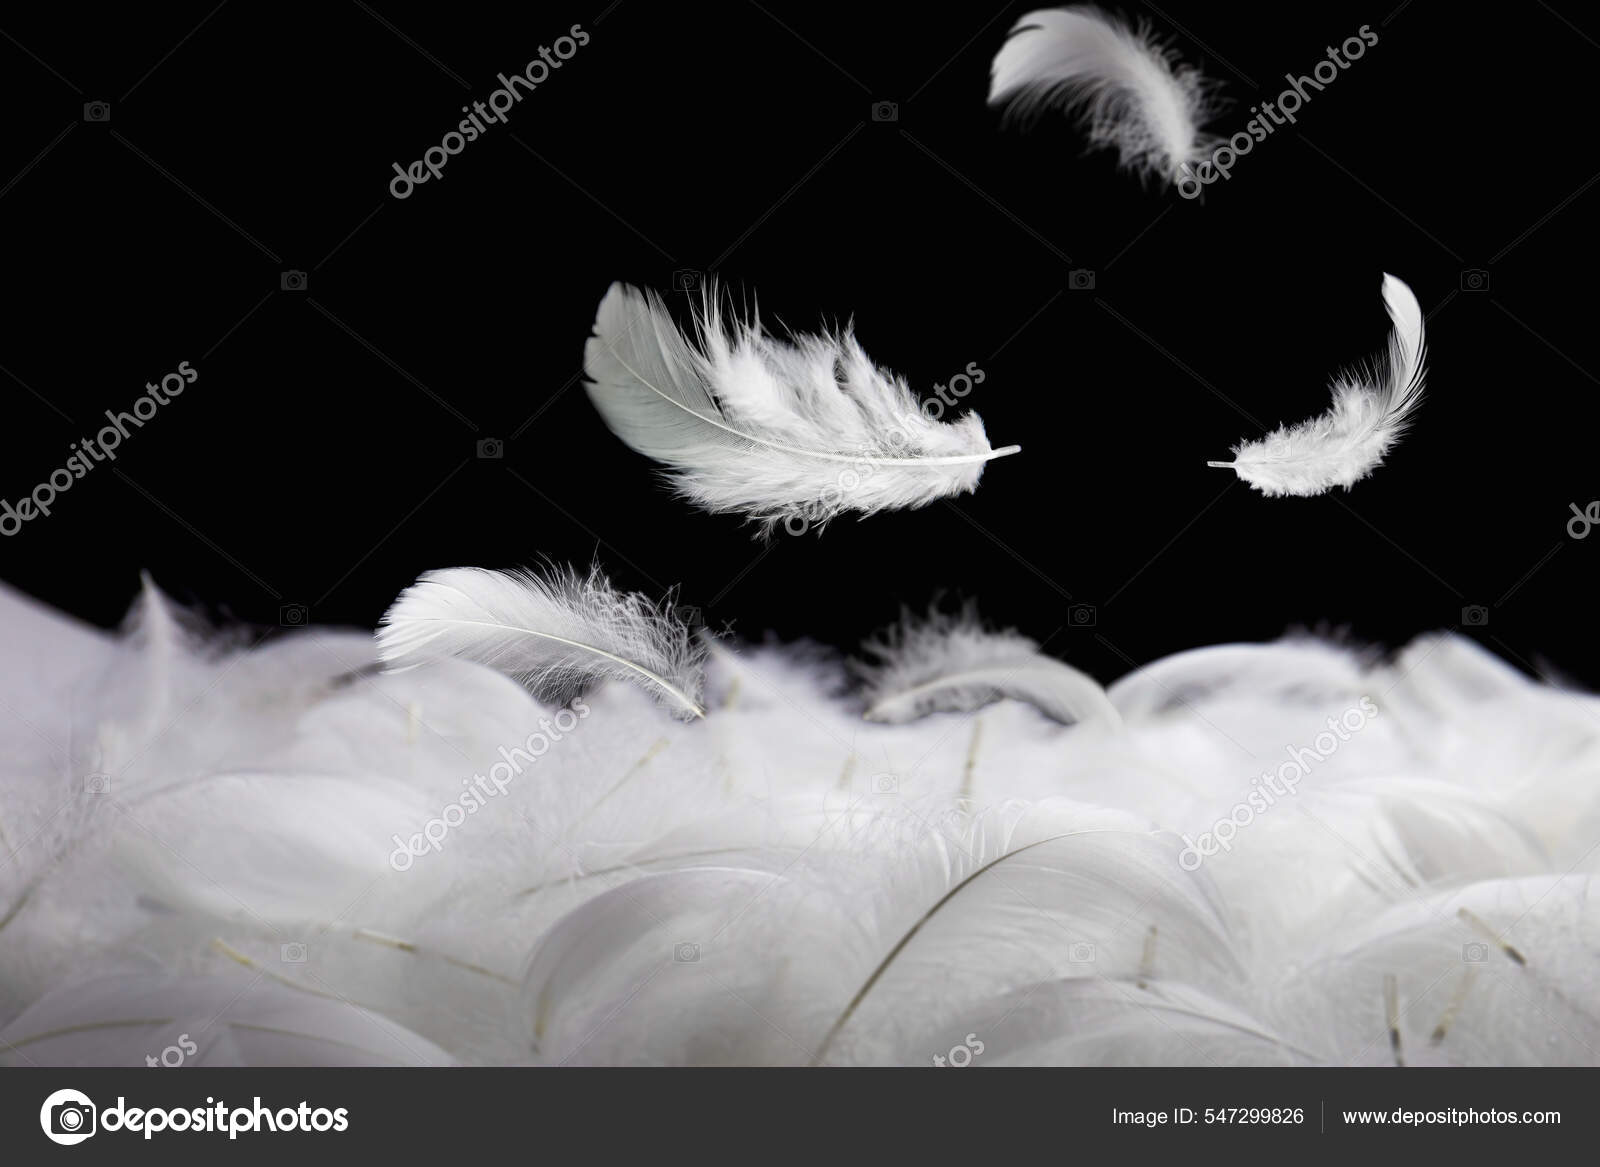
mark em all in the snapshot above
pixel 1128 90
pixel 1371 408
pixel 951 663
pixel 1083 1022
pixel 1496 973
pixel 1304 670
pixel 226 1019
pixel 778 431
pixel 1044 893
pixel 558 633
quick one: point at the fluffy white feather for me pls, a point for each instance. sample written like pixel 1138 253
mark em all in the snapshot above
pixel 1372 407
pixel 792 432
pixel 558 633
pixel 1128 90
pixel 950 663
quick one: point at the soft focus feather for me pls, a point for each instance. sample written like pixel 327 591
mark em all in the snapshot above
pixel 1372 407
pixel 950 663
pixel 1125 87
pixel 558 633
pixel 1305 670
pixel 779 431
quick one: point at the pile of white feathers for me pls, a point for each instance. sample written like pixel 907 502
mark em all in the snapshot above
pixel 208 843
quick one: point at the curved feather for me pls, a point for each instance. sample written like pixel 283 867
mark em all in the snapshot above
pixel 1043 900
pixel 946 663
pixel 557 633
pixel 223 1019
pixel 1303 671
pixel 1372 407
pixel 1126 89
pixel 641 944
pixel 1081 1022
pixel 778 431
pixel 1495 973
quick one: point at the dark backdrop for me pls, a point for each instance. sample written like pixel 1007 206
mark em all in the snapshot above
pixel 328 452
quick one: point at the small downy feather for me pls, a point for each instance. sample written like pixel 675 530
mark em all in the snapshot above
pixel 950 663
pixel 1372 406
pixel 794 432
pixel 558 633
pixel 1126 88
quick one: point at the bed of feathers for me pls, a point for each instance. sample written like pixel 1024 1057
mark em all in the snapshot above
pixel 268 851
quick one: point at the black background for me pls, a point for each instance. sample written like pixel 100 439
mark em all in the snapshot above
pixel 327 454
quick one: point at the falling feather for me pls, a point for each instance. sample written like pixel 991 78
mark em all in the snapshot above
pixel 950 663
pixel 1372 406
pixel 558 633
pixel 794 432
pixel 1127 89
